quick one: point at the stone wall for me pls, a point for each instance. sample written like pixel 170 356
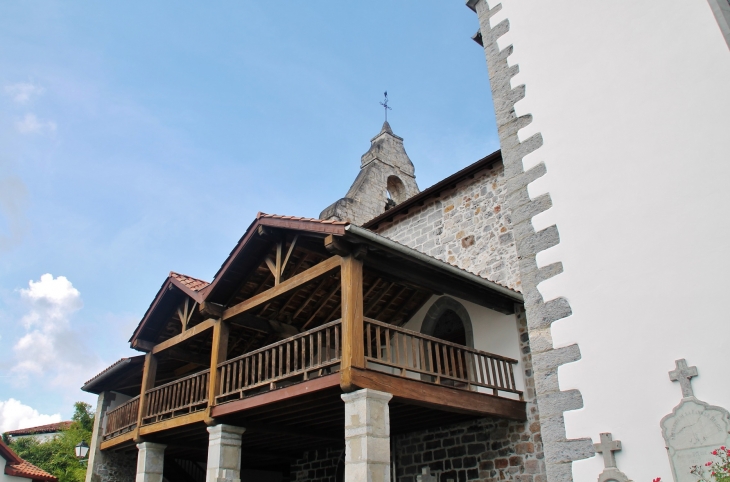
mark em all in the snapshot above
pixel 319 466
pixel 469 228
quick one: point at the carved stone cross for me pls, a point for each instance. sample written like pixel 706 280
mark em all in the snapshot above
pixel 425 476
pixel 607 447
pixel 683 374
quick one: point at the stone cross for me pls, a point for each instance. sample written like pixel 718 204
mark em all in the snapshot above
pixel 426 476
pixel 683 374
pixel 607 447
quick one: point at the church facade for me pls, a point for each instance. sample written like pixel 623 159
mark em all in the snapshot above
pixel 545 314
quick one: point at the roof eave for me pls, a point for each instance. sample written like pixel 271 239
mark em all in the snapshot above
pixel 393 246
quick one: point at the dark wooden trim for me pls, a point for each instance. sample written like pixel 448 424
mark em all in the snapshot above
pixel 219 353
pixel 422 393
pixel 292 391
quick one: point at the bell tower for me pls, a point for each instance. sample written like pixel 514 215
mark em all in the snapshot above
pixel 387 177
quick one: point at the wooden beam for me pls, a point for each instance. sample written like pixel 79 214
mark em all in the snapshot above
pixel 277 275
pixel 148 383
pixel 426 394
pixel 142 345
pixel 306 276
pixel 171 423
pixel 219 352
pixel 118 440
pixel 283 394
pixel 197 329
pixel 353 354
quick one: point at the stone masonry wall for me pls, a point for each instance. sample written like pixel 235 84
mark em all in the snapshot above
pixel 469 228
pixel 318 465
pixel 485 450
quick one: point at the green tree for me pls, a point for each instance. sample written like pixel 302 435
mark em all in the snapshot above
pixel 58 456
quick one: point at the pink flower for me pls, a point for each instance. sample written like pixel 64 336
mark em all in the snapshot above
pixel 658 479
pixel 714 452
pixel 708 464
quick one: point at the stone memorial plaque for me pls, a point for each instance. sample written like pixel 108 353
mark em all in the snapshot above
pixel 694 428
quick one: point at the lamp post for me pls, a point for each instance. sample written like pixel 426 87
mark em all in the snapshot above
pixel 81 451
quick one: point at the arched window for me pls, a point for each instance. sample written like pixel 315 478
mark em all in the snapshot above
pixel 396 190
pixel 448 320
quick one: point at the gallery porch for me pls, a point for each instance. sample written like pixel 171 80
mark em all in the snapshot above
pixel 301 315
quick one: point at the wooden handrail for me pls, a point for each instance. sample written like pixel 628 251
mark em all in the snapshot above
pixel 439 340
pixel 407 353
pixel 290 360
pixel 121 419
pixel 184 395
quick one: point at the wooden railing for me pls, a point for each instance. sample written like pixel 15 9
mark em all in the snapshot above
pixel 409 354
pixel 122 419
pixel 300 357
pixel 180 397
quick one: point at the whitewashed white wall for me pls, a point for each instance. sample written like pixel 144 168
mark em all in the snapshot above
pixel 632 100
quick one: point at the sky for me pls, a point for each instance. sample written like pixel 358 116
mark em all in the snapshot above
pixel 138 138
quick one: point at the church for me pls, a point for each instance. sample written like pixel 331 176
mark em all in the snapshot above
pixel 551 312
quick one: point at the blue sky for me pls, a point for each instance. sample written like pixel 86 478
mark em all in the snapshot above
pixel 142 137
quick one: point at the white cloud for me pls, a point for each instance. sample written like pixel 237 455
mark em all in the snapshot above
pixel 50 347
pixel 14 415
pixel 23 91
pixel 30 124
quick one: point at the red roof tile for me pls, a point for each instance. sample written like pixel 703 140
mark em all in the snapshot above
pixel 29 471
pixel 190 282
pixel 297 218
pixel 18 467
pixel 48 428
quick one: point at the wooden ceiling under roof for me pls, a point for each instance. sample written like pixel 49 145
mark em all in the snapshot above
pixel 313 304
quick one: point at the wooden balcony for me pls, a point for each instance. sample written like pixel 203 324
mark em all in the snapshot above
pixel 274 348
pixel 397 360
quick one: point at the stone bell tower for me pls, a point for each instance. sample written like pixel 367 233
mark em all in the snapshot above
pixel 386 178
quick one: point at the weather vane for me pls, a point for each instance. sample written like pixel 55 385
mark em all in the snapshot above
pixel 386 108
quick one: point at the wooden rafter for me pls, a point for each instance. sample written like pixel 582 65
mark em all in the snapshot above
pixel 387 304
pixel 309 298
pixel 323 302
pixel 297 280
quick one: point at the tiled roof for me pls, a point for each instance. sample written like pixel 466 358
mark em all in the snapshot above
pixel 190 282
pixel 297 218
pixel 17 467
pixel 27 470
pixel 122 360
pixel 49 428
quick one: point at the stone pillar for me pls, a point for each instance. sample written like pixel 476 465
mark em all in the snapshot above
pixel 224 453
pixel 107 466
pixel 150 462
pixel 367 436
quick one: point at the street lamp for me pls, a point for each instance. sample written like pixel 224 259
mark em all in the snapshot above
pixel 81 450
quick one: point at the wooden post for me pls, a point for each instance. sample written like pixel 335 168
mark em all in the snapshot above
pixel 353 354
pixel 148 383
pixel 219 353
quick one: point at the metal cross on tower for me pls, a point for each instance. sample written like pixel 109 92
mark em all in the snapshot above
pixel 683 374
pixel 386 108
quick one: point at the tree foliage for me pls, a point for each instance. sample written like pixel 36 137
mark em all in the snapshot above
pixel 58 455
